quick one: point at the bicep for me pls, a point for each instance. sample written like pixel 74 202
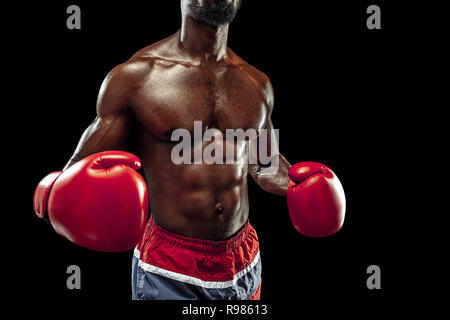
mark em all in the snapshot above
pixel 267 140
pixel 104 133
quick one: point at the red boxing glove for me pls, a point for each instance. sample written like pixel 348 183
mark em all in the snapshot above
pixel 316 200
pixel 100 202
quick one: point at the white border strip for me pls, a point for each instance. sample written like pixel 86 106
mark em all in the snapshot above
pixel 192 280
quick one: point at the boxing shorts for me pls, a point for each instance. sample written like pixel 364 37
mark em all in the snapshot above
pixel 168 266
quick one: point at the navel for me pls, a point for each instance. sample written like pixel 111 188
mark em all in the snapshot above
pixel 219 208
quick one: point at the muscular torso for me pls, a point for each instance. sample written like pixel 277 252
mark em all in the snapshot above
pixel 206 201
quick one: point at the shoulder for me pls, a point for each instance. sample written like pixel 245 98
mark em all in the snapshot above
pixel 137 68
pixel 120 84
pixel 129 73
pixel 262 80
pixel 164 52
pixel 124 79
pixel 257 76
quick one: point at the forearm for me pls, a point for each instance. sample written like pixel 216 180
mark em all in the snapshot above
pixel 109 133
pixel 273 181
pixel 88 143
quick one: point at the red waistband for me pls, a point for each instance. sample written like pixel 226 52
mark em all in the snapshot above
pixel 155 234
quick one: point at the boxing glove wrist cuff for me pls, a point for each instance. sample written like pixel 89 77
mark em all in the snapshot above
pixel 42 192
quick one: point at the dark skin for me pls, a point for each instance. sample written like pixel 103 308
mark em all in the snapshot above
pixel 190 76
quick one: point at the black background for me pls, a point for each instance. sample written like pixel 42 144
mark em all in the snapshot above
pixel 340 99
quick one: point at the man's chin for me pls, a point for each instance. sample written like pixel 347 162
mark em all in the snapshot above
pixel 216 15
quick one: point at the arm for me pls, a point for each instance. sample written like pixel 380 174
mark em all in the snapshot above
pixel 125 204
pixel 274 182
pixel 110 129
pixel 315 196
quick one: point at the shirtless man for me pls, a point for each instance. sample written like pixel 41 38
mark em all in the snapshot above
pixel 198 242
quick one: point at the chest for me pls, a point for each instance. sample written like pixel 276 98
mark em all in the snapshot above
pixel 177 96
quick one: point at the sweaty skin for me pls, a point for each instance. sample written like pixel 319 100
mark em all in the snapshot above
pixel 190 76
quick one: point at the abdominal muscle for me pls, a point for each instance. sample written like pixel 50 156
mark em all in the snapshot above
pixel 204 201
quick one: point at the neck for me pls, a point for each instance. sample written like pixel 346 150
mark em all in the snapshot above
pixel 203 41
